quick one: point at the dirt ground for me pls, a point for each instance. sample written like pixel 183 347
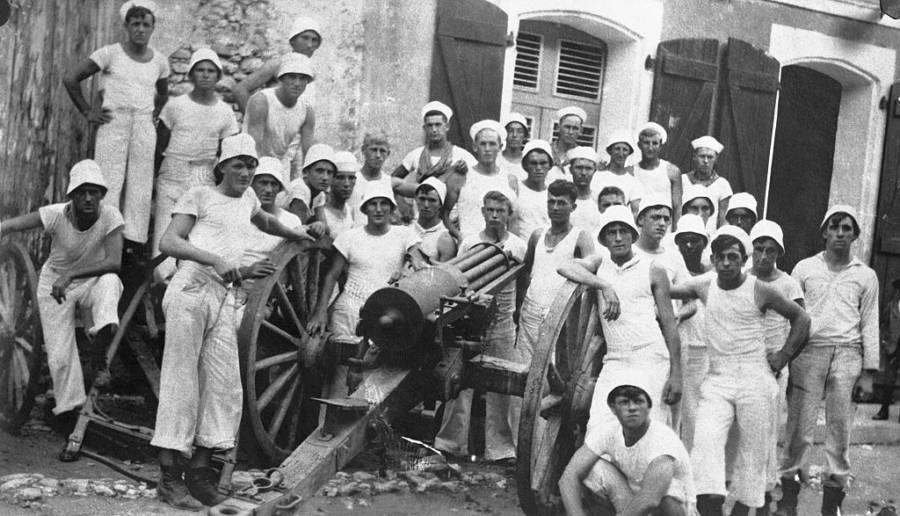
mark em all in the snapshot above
pixel 878 480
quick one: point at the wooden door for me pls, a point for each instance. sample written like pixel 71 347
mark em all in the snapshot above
pixel 746 116
pixel 802 159
pixel 886 253
pixel 684 88
pixel 467 64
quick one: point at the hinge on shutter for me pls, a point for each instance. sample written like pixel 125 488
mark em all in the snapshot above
pixel 650 62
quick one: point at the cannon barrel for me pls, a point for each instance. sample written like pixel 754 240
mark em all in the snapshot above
pixel 394 317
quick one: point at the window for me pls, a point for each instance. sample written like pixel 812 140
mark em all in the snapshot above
pixel 528 61
pixel 588 136
pixel 580 70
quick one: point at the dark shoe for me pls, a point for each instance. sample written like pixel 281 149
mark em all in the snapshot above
pixel 201 482
pixel 68 454
pixel 171 489
pixel 832 496
pixel 64 422
pixel 790 490
pixel 710 505
pixel 882 414
pixel 739 509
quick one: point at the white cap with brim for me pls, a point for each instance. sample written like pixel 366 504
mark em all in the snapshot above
pixel 620 136
pixel 205 54
pixel 85 172
pixel 630 378
pixel 653 201
pixel 767 229
pixel 653 127
pixel 617 213
pixel 514 117
pixel 146 4
pixel 303 24
pixel 438 106
pixel 296 63
pixel 493 125
pixel 541 145
pixel 376 190
pixel 345 161
pixel 241 144
pixel 582 153
pixel 438 186
pixel 742 200
pixel 571 111
pixel 270 166
pixel 737 233
pixel 692 192
pixel 840 208
pixel 691 223
pixel 707 142
pixel 319 152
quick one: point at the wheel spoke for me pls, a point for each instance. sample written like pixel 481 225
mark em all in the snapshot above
pixel 283 408
pixel 293 341
pixel 275 387
pixel 287 308
pixel 275 360
pixel 548 430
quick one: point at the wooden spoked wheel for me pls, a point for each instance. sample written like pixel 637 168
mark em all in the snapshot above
pixel 557 397
pixel 21 340
pixel 271 339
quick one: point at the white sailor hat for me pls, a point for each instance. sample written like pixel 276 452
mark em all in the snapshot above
pixel 767 229
pixel 582 153
pixel 742 200
pixel 653 201
pixel 205 54
pixel 440 107
pixel 571 110
pixel 345 161
pixel 438 186
pixel 296 63
pixel 240 144
pixel 303 24
pixel 630 378
pixel 376 190
pixel 691 223
pixel 618 213
pixel 271 166
pixel 539 145
pixel 493 125
pixel 319 152
pixel 737 233
pixel 707 142
pixel 146 4
pixel 85 172
pixel 840 208
pixel 653 127
pixel 692 192
pixel 619 136
pixel 510 118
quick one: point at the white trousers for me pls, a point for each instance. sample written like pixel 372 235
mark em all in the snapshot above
pixel 124 151
pixel 100 295
pixel 607 481
pixel 694 366
pixel 777 422
pixel 200 396
pixel 737 391
pixel 619 369
pixel 176 177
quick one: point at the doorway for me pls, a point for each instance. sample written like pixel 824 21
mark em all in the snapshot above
pixel 803 159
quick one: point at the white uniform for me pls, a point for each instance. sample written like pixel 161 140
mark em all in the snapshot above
pixel 430 238
pixel 740 388
pixel 631 343
pixel 512 167
pixel 340 220
pixel 501 424
pixel 70 249
pixel 282 130
pixel 626 182
pixel 656 181
pixel 531 211
pixel 718 190
pixel 694 366
pixel 471 199
pixel 359 191
pixel 586 216
pixel 125 145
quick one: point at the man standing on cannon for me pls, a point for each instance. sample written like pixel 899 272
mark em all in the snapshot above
pixel 80 273
pixel 200 394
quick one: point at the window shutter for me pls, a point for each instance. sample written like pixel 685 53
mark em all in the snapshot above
pixel 528 61
pixel 580 71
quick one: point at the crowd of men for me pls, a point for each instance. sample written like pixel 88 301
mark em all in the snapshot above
pixel 703 332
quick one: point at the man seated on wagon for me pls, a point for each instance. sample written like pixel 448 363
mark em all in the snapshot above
pixel 80 273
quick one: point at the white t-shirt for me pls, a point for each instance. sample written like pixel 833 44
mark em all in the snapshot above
pixel 260 244
pixel 671 260
pixel 513 167
pixel 339 221
pixel 430 238
pixel 298 189
pixel 586 216
pixel 629 185
pixel 471 198
pixel 777 327
pixel 718 190
pixel 632 461
pixel 222 223
pixel 373 259
pixel 196 128
pixel 531 211
pixel 71 248
pixel 411 161
pixel 359 190
pixel 127 83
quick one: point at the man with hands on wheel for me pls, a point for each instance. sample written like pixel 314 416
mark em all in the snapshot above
pixel 200 394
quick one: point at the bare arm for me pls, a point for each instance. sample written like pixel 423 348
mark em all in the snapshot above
pixel 161 97
pixel 163 135
pixel 404 185
pixel 255 81
pixel 416 257
pixel 308 130
pixel 255 119
pixel 446 248
pixel 770 299
pixel 110 263
pixel 319 317
pixel 584 247
pixel 268 223
pixel 72 82
pixel 174 243
pixel 723 209
pixel 675 181
pixel 524 279
pixel 455 182
pixel 21 223
pixel 570 483
pixel 659 284
pixel 868 322
pixel 690 289
pixel 654 486
pixel 584 271
pixel 300 209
